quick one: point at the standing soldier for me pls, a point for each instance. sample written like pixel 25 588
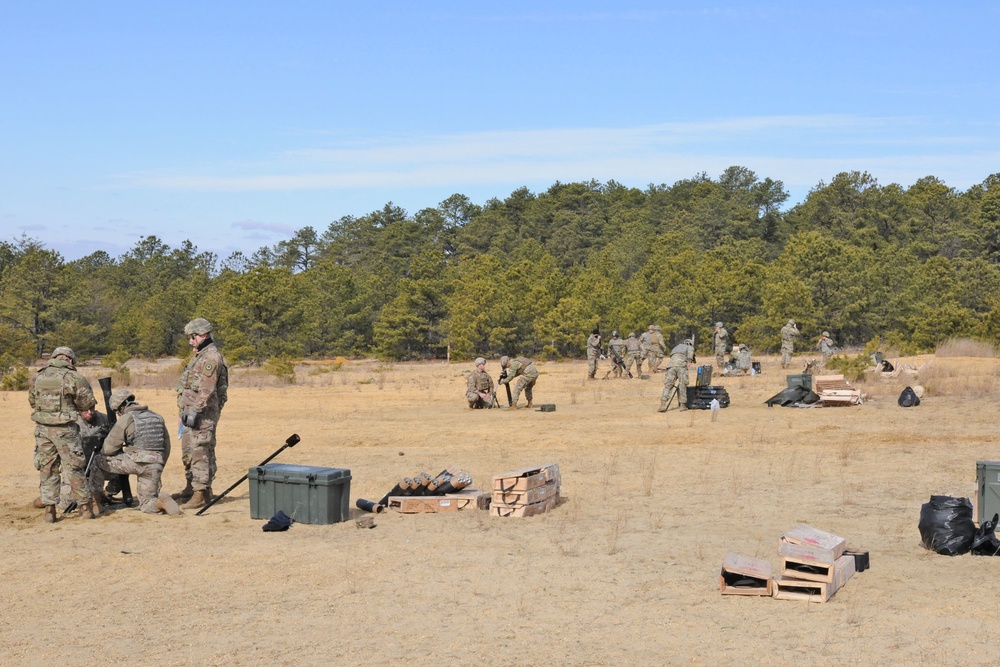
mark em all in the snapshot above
pixel 788 334
pixel 139 445
pixel 646 346
pixel 616 347
pixel 633 354
pixel 825 346
pixel 480 388
pixel 593 353
pixel 522 368
pixel 93 427
pixel 659 348
pixel 58 394
pixel 201 395
pixel 677 372
pixel 720 341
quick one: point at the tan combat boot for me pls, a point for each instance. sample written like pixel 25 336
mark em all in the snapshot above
pixel 97 502
pixel 663 406
pixel 529 404
pixel 197 501
pixel 87 511
pixel 167 505
pixel 184 495
pixel 50 513
pixel 38 504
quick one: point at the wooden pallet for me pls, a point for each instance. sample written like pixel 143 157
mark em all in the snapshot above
pixel 824 382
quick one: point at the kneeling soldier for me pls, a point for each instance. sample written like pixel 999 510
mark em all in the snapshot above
pixel 479 392
pixel 139 445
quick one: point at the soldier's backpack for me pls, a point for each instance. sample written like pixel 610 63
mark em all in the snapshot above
pixel 908 398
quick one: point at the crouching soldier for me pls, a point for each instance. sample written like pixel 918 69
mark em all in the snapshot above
pixel 526 372
pixel 677 373
pixel 480 390
pixel 139 445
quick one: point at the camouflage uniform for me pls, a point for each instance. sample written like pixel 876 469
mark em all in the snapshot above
pixel 826 346
pixel 92 434
pixel 593 353
pixel 743 362
pixel 201 395
pixel 677 371
pixel 646 347
pixel 788 334
pixel 479 382
pixel 57 394
pixel 659 349
pixel 617 348
pixel 139 445
pixel 720 341
pixel 526 372
pixel 633 354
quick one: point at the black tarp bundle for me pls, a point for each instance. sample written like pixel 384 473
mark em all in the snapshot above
pixel 946 525
pixel 792 396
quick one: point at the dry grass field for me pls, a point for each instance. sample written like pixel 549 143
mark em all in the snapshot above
pixel 624 572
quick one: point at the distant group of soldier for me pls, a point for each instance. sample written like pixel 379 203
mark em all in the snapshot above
pixel 631 352
pixel 73 439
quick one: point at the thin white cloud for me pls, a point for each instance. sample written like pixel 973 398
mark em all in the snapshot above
pixel 799 150
pixel 253 225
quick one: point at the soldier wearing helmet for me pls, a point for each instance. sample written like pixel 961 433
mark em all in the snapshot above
pixel 525 371
pixel 201 395
pixel 633 355
pixel 677 373
pixel 58 393
pixel 616 346
pixel 825 346
pixel 658 345
pixel 593 353
pixel 720 342
pixel 139 445
pixel 788 334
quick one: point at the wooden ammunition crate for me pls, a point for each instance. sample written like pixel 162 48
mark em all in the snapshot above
pixel 449 502
pixel 524 510
pixel 525 478
pixel 526 492
pixel 787 588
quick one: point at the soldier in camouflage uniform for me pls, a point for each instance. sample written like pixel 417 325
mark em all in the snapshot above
pixel 788 334
pixel 743 361
pixel 93 427
pixel 646 347
pixel 139 445
pixel 201 395
pixel 58 394
pixel 825 347
pixel 480 389
pixel 659 348
pixel 593 353
pixel 616 346
pixel 677 372
pixel 526 372
pixel 633 354
pixel 720 342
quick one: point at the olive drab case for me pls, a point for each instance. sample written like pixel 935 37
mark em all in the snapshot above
pixel 305 493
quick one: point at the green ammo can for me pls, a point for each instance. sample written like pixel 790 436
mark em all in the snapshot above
pixel 305 493
pixel 800 380
pixel 988 481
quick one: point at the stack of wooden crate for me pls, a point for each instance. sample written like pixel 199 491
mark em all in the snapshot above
pixel 836 390
pixel 813 565
pixel 526 492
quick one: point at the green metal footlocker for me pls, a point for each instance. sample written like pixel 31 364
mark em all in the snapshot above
pixel 305 493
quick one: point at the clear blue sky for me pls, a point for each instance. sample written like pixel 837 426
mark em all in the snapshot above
pixel 232 124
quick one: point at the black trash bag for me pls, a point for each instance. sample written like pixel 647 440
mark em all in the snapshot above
pixel 985 542
pixel 887 367
pixel 277 523
pixel 792 395
pixel 908 398
pixel 946 525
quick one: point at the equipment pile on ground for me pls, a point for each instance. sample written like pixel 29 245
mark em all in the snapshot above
pixel 526 492
pixel 448 491
pixel 814 565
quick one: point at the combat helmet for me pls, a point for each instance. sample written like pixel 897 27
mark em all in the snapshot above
pixel 718 324
pixel 198 325
pixel 826 333
pixel 614 333
pixel 631 334
pixel 503 361
pixel 119 397
pixel 63 351
pixel 790 322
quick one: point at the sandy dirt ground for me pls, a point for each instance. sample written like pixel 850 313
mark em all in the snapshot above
pixel 624 572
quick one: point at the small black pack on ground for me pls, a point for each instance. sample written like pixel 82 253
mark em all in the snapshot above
pixel 908 398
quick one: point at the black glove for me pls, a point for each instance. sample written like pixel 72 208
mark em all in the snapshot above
pixel 277 523
pixel 189 417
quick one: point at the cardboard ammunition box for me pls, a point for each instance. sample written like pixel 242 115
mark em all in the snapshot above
pixel 449 502
pixel 822 547
pixel 525 478
pixel 787 588
pixel 524 510
pixel 742 575
pixel 305 493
